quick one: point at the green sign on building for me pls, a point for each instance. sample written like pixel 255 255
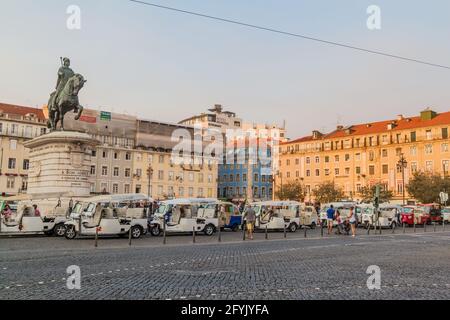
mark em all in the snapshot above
pixel 105 116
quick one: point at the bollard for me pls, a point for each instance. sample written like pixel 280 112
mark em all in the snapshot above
pixel 164 232
pixel 304 227
pixel 267 234
pixel 368 229
pixel 129 237
pixel 443 225
pixel 243 231
pixel 321 229
pixel 393 228
pixel 404 227
pixel 379 226
pixel 220 233
pixel 193 234
pixel 285 235
pixel 424 227
pixel 414 226
pixel 96 237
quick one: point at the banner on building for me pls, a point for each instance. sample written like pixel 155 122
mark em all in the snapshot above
pixel 105 116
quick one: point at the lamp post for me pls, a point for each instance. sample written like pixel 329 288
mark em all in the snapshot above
pixel 402 164
pixel 149 174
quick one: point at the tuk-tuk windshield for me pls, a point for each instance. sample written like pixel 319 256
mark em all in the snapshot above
pixel 164 208
pixel 78 208
pixel 408 210
pixel 90 208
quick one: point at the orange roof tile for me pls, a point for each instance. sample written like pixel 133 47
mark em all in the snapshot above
pixel 406 123
pixel 22 111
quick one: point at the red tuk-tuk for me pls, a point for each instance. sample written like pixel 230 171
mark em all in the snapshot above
pixel 417 214
pixel 434 211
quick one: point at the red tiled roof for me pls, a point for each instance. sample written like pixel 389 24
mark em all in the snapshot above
pixel 406 123
pixel 303 139
pixel 22 111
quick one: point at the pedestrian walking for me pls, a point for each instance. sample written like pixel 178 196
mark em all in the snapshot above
pixel 330 219
pixel 250 219
pixel 353 221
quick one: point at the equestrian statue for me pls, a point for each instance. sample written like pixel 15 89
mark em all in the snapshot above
pixel 65 98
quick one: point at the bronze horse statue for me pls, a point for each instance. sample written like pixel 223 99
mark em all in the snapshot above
pixel 65 101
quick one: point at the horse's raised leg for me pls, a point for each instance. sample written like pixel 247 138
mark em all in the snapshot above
pixel 80 111
pixel 61 118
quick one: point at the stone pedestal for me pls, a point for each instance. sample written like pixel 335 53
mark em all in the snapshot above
pixel 60 163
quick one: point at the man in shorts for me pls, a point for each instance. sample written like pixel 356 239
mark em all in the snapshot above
pixel 330 219
pixel 250 219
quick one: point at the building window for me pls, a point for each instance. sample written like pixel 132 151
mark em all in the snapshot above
pixel 308 160
pixel 181 192
pixel 139 173
pixel 347 157
pixel 161 159
pixel 256 177
pixel 308 173
pixel 371 170
pixel 317 159
pixel 327 159
pixel 105 154
pixel 116 171
pixel 414 167
pixel 26 164
pixel 444 133
pixel 127 173
pixel 244 177
pixel 116 156
pixel 191 177
pixel 171 176
pixel 385 169
pixel 160 191
pixel 160 175
pixel 200 192
pixel 428 134
pixel 444 147
pixel 336 158
pixel 43 131
pixel 317 172
pixel 10 182
pixel 11 163
pixel 428 149
pixel 115 188
pixel 371 156
pixel 288 162
pixel 13 144
pixel 297 162
pixel 94 153
pixel 429 166
pixel 413 151
pixel 288 175
pixel 358 156
pixel 126 188
pixel 138 188
pixel 191 192
pixel 445 166
pixel 336 171
pixel 128 156
pixel 104 171
pixel 92 170
pixel 413 136
pixel 358 170
pixel 384 153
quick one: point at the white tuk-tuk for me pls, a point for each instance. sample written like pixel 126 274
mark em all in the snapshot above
pixel 112 215
pixel 343 208
pixel 186 215
pixel 277 215
pixel 387 216
pixel 309 217
pixel 18 216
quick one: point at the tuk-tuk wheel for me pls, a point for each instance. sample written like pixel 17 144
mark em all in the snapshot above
pixel 70 233
pixel 209 230
pixel 136 232
pixel 235 228
pixel 313 225
pixel 59 230
pixel 155 231
pixel 293 227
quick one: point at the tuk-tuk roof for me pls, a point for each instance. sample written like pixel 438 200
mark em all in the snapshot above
pixel 186 201
pixel 277 203
pixel 120 198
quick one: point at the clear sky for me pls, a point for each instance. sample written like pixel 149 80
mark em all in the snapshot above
pixel 168 66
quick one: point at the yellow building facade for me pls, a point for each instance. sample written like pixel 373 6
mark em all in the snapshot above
pixel 367 154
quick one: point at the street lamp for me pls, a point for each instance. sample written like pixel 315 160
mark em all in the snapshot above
pixel 402 164
pixel 149 174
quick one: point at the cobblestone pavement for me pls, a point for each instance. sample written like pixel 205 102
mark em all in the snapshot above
pixel 413 266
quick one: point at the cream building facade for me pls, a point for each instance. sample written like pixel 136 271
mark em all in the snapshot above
pixel 17 125
pixel 368 154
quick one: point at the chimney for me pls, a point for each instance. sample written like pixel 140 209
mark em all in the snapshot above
pixel 339 127
pixel 400 117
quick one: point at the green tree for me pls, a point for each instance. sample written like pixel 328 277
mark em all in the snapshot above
pixel 291 191
pixel 425 187
pixel 368 194
pixel 328 192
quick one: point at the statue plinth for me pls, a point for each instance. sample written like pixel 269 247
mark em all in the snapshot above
pixel 60 163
